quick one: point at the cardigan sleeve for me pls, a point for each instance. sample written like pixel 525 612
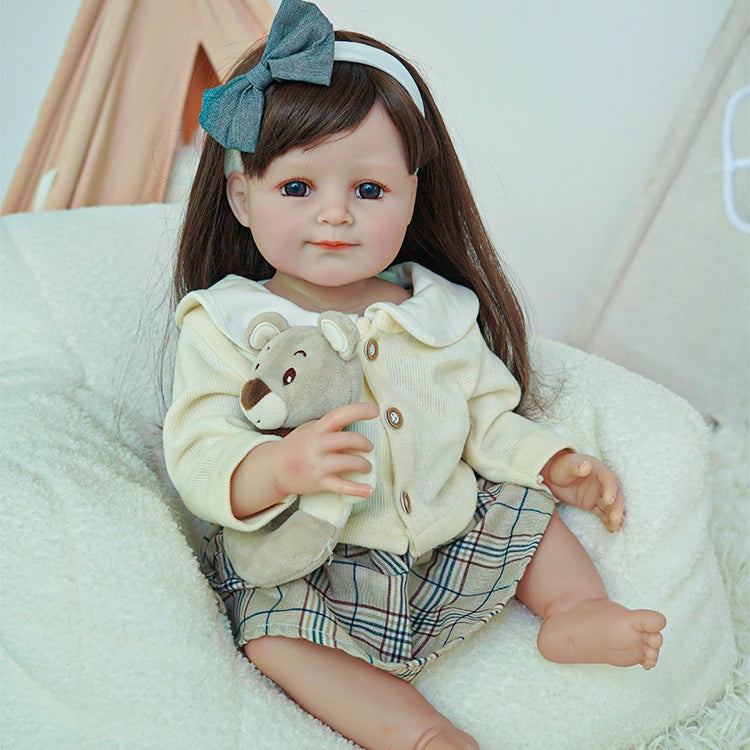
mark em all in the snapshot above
pixel 503 445
pixel 206 435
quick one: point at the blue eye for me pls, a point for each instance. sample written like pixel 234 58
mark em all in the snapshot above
pixel 369 191
pixel 295 189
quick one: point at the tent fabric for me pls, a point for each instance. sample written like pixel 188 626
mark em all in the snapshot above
pixel 126 93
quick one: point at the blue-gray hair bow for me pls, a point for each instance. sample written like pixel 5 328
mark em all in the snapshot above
pixel 299 48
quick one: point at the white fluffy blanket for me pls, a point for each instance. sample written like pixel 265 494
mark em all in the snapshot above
pixel 110 636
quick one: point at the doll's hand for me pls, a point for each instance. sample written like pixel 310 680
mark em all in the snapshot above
pixel 586 482
pixel 312 457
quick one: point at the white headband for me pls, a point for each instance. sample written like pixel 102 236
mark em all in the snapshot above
pixel 364 54
pixel 354 52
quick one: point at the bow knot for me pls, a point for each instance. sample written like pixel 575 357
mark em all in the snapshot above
pixel 260 76
pixel 299 48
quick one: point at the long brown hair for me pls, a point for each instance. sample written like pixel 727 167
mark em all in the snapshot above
pixel 446 233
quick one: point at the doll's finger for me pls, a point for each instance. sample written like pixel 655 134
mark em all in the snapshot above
pixel 608 500
pixel 612 499
pixel 606 514
pixel 347 463
pixel 600 514
pixel 610 490
pixel 347 487
pixel 616 518
pixel 348 441
pixel 582 465
pixel 616 510
pixel 612 519
pixel 569 467
pixel 343 416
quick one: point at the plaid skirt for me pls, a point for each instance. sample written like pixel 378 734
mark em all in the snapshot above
pixel 396 612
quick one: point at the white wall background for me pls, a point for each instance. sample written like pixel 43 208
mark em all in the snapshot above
pixel 557 107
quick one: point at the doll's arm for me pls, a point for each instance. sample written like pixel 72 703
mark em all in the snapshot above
pixel 205 434
pixel 308 461
pixel 586 482
pixel 502 445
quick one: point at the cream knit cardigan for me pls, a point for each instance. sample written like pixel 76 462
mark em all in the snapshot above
pixel 446 410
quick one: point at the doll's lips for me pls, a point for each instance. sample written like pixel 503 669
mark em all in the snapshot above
pixel 332 245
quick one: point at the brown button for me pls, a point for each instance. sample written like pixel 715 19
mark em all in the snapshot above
pixel 395 418
pixel 406 502
pixel 371 349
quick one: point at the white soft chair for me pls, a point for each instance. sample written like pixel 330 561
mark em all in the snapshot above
pixel 112 638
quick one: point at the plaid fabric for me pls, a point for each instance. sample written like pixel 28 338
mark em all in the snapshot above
pixel 396 612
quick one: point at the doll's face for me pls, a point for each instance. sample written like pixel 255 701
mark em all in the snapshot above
pixel 335 214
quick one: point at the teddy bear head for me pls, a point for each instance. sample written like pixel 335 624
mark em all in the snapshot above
pixel 300 372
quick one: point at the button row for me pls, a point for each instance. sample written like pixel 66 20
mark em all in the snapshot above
pixel 393 417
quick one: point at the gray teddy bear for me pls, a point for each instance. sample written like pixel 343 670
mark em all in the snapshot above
pixel 300 374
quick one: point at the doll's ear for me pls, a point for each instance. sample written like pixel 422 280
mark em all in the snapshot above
pixel 340 332
pixel 262 328
pixel 237 194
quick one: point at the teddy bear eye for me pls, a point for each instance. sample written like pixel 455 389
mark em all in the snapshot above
pixel 289 376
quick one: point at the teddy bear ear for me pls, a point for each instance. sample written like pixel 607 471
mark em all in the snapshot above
pixel 262 328
pixel 340 332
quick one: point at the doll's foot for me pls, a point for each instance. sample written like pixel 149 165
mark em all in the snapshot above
pixel 599 631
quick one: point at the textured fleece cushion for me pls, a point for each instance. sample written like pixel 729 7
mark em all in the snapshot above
pixel 111 637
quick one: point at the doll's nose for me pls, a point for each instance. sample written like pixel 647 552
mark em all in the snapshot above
pixel 335 210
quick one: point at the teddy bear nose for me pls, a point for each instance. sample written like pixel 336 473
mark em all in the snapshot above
pixel 252 392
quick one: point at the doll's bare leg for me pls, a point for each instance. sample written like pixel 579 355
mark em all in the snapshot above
pixel 363 703
pixel 581 624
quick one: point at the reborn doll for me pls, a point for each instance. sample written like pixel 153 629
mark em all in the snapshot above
pixel 301 373
pixel 328 181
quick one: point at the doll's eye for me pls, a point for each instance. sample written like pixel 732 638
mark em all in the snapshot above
pixel 295 189
pixel 369 191
pixel 289 376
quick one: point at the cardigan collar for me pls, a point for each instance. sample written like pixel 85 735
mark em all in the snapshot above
pixel 438 313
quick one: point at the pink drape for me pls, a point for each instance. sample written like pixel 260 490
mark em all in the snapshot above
pixel 126 91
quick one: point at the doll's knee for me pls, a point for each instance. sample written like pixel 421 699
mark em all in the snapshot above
pixel 267 650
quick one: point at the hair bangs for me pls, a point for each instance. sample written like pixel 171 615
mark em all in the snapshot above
pixel 297 115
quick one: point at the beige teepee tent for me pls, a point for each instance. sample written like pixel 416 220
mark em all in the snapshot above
pixel 126 92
